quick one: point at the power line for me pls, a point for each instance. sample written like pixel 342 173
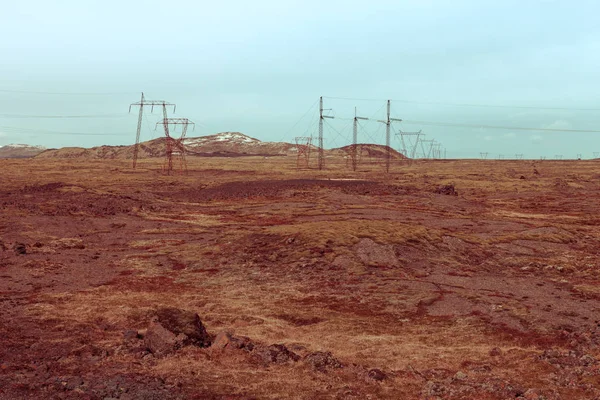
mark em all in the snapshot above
pixel 67 93
pixel 467 104
pixel 298 121
pixel 16 130
pixel 24 116
pixel 516 128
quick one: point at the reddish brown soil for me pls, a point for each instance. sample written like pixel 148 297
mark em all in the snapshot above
pixel 383 287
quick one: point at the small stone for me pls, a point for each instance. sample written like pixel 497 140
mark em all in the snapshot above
pixel 495 352
pixel 377 374
pixel 20 248
pixel 448 190
pixel 460 376
pixel 130 334
pixel 227 340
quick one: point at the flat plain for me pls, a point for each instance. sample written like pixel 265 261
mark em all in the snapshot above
pixel 444 279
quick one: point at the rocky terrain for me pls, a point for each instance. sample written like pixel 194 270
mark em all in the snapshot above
pixel 248 279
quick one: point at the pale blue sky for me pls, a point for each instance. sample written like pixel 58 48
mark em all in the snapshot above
pixel 257 67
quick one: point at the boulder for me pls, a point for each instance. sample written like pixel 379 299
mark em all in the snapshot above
pixel 227 340
pixel 160 341
pixel 184 322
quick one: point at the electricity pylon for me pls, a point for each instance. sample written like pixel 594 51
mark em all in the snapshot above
pixel 303 144
pixel 175 146
pixel 321 119
pixel 143 102
pixel 388 123
pixel 354 149
pixel 414 146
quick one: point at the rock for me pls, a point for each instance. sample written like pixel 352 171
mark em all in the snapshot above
pixel 20 248
pixel 587 359
pixel 377 374
pixel 522 177
pixel 130 334
pixel 495 352
pixel 448 190
pixel 460 376
pixel 226 340
pixel 184 322
pixel 275 353
pixel 374 254
pixel 321 360
pixel 161 341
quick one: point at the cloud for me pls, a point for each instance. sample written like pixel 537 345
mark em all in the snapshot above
pixel 536 138
pixel 509 135
pixel 559 124
pixel 489 138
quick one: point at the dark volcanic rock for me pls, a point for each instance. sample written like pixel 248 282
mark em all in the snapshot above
pixel 447 190
pixel 377 374
pixel 184 322
pixel 227 340
pixel 20 248
pixel 160 341
pixel 275 353
pixel 321 360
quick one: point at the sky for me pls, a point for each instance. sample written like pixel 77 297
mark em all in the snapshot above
pixel 453 69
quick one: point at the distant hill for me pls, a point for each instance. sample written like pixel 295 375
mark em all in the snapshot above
pixel 225 144
pixel 20 151
pixel 221 144
pixel 367 150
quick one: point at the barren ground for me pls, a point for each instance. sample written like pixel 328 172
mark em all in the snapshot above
pixel 490 294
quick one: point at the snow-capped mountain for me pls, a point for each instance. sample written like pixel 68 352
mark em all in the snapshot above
pixel 17 150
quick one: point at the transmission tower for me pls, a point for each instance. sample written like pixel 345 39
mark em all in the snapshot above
pixel 519 156
pixel 579 156
pixel 429 149
pixel 500 156
pixel 438 151
pixel 303 144
pixel 143 102
pixel 558 156
pixel 321 120
pixel 388 123
pixel 596 154
pixel 354 149
pixel 175 147
pixel 483 155
pixel 413 151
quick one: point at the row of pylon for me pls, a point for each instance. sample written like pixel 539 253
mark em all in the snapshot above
pixel 174 147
